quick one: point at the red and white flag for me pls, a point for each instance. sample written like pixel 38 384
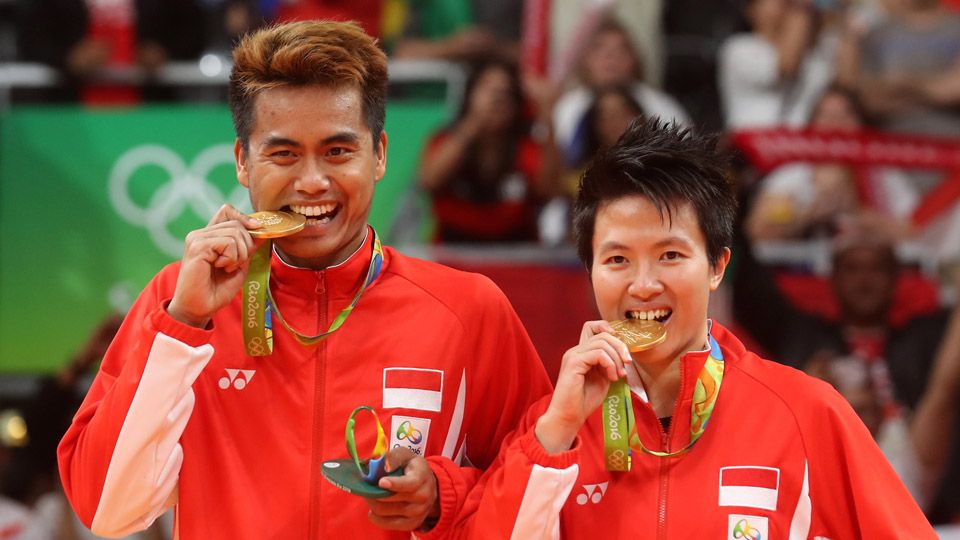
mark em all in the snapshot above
pixel 412 388
pixel 754 487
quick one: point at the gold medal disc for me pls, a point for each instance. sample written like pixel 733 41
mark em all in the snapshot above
pixel 277 224
pixel 639 334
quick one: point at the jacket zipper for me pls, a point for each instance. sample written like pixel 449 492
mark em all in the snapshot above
pixel 319 356
pixel 662 495
pixel 665 438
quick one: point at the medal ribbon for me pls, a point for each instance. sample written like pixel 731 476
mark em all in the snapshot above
pixel 371 469
pixel 620 436
pixel 259 305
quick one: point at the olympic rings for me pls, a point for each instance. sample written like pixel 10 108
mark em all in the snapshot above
pixel 187 187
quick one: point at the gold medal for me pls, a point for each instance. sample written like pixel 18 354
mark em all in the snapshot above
pixel 277 224
pixel 639 334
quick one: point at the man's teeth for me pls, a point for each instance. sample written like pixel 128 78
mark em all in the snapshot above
pixel 313 211
pixel 656 314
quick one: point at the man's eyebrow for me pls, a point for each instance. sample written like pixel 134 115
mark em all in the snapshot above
pixel 276 140
pixel 347 137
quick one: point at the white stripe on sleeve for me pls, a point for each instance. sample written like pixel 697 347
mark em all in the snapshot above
pixel 142 477
pixel 547 490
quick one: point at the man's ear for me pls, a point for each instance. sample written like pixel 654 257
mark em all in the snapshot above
pixel 381 156
pixel 240 157
pixel 719 268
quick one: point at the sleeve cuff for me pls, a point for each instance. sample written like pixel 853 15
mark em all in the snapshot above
pixel 161 321
pixel 539 455
pixel 452 492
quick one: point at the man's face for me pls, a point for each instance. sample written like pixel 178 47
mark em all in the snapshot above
pixel 310 152
pixel 863 282
pixel 643 263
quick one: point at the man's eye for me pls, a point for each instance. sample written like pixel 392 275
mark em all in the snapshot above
pixel 281 153
pixel 337 151
pixel 671 255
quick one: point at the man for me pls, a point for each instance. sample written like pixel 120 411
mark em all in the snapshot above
pixel 898 351
pixel 180 416
pixel 724 444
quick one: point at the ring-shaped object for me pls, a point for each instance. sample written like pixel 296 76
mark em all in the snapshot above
pixel 373 468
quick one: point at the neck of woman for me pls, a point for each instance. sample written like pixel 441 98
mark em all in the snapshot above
pixel 662 383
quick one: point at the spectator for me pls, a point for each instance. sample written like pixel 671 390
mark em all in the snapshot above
pixel 606 119
pixel 773 74
pixel 693 33
pixel 486 174
pixel 642 20
pixel 804 199
pixel 15 517
pixel 897 358
pixel 83 37
pixel 907 68
pixel 368 13
pixel 608 60
pixel 227 21
pixel 460 30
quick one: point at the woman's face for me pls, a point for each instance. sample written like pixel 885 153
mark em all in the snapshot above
pixel 609 60
pixel 492 99
pixel 835 113
pixel 614 113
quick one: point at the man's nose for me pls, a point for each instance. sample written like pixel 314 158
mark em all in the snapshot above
pixel 312 178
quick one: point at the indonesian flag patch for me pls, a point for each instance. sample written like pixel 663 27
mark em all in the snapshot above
pixel 752 487
pixel 412 388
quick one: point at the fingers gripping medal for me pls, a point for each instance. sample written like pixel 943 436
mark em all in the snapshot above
pixel 357 476
pixel 617 409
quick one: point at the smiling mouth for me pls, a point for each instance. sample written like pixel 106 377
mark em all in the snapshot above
pixel 319 214
pixel 659 315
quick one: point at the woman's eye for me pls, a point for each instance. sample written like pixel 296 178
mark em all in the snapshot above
pixel 671 255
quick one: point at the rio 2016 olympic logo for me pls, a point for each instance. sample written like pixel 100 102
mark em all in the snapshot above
pixel 617 459
pixel 407 431
pixel 186 187
pixel 743 530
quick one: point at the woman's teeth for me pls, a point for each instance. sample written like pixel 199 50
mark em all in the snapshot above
pixel 653 315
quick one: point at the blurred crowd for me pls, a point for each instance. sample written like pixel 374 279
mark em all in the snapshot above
pixel 819 74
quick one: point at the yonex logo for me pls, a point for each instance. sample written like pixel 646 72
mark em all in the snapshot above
pixel 593 493
pixel 186 187
pixel 239 378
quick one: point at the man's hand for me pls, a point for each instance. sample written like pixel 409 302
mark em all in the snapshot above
pixel 415 493
pixel 215 261
pixel 585 376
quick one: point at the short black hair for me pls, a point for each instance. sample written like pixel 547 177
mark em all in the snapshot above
pixel 669 166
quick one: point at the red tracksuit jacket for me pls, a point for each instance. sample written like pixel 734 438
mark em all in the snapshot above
pixel 783 458
pixel 182 416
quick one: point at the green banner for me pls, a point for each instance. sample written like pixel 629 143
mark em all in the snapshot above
pixel 94 202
